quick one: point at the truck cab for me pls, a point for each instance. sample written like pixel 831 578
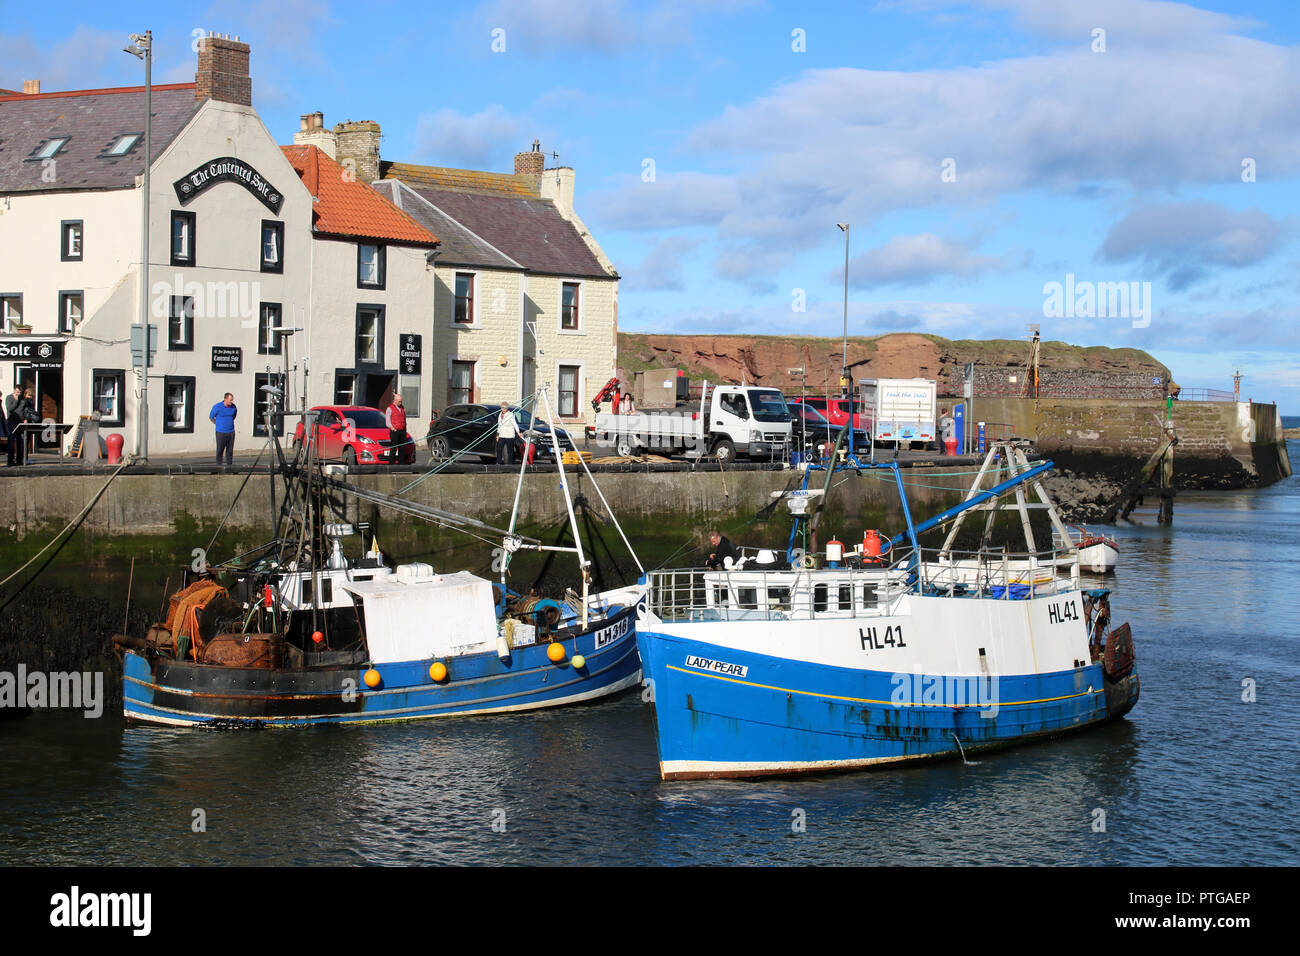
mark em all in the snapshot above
pixel 747 420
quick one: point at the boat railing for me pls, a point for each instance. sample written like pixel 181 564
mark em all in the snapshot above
pixel 752 593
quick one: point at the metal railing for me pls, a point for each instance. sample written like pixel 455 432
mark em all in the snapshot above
pixel 750 593
pixel 1204 395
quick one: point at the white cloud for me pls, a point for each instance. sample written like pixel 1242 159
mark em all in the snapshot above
pixel 917 259
pixel 662 267
pixel 1185 240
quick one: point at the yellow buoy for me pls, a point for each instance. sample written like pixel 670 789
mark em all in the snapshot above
pixel 556 653
pixel 579 662
pixel 438 671
pixel 372 678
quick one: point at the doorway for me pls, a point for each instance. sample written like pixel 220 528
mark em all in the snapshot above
pixel 47 387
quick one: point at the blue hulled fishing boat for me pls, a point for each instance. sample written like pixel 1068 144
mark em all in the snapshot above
pixel 884 655
pixel 304 635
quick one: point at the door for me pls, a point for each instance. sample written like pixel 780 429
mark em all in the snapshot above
pixel 47 387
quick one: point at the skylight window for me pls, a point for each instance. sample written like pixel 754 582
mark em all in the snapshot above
pixel 123 144
pixel 51 147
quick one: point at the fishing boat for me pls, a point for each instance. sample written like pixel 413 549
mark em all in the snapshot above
pixel 305 635
pixel 898 653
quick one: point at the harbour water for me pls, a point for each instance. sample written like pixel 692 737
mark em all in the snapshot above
pixel 1200 773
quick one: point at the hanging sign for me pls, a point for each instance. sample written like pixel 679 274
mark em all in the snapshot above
pixel 227 169
pixel 409 354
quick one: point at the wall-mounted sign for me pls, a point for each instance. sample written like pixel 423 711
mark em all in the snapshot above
pixel 409 354
pixel 227 358
pixel 227 169
pixel 37 354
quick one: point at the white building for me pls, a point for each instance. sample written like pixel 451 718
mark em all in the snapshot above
pixel 245 237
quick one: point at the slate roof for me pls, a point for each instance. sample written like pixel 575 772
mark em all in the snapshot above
pixel 507 212
pixel 91 120
pixel 460 246
pixel 348 208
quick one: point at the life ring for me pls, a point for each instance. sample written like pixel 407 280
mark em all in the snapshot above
pixel 807 562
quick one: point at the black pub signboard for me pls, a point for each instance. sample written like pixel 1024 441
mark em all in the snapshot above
pixel 227 358
pixel 38 354
pixel 409 354
pixel 228 169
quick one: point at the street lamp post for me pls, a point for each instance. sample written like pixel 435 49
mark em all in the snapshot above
pixel 143 50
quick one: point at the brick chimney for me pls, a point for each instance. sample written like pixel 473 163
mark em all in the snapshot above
pixel 531 163
pixel 223 70
pixel 31 87
pixel 312 132
pixel 359 142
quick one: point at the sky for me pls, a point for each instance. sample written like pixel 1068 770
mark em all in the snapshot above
pixel 998 162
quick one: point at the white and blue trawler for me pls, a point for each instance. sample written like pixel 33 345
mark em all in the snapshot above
pixel 884 655
pixel 306 636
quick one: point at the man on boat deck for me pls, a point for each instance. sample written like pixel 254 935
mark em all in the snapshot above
pixel 722 549
pixel 507 432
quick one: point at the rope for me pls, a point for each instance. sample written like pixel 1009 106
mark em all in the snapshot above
pixel 70 529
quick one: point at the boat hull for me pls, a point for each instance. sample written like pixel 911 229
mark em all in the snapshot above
pixel 1098 557
pixel 724 712
pixel 182 693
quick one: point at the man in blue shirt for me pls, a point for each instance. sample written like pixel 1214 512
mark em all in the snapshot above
pixel 223 416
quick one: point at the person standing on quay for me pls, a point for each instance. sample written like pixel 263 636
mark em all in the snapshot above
pixel 507 433
pixel 14 408
pixel 223 416
pixel 397 437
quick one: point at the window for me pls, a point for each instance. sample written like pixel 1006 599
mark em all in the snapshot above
pixel 272 246
pixel 11 310
pixel 569 391
pixel 370 266
pixel 182 238
pixel 107 388
pixel 178 401
pixel 264 400
pixel 268 319
pixel 180 324
pixel 411 398
pixel 69 312
pixel 370 334
pixel 464 314
pixel 70 240
pixel 345 388
pixel 569 319
pixel 462 383
pixel 51 147
pixel 123 144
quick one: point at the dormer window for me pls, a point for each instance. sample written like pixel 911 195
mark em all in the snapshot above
pixel 51 147
pixel 123 144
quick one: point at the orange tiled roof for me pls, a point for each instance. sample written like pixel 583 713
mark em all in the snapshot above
pixel 462 180
pixel 346 207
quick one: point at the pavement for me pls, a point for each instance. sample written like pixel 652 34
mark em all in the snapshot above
pixel 48 463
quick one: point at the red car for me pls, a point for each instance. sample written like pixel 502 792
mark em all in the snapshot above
pixel 836 411
pixel 354 435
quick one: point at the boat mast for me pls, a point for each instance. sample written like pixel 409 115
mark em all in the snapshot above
pixel 568 503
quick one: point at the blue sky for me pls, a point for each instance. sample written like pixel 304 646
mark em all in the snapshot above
pixel 980 149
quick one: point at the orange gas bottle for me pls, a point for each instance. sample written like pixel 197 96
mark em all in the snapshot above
pixel 871 547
